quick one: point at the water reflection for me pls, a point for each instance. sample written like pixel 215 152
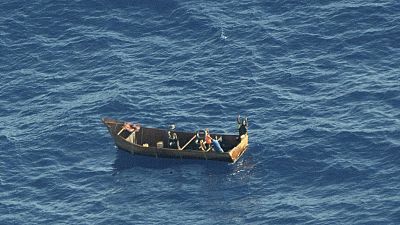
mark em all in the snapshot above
pixel 126 161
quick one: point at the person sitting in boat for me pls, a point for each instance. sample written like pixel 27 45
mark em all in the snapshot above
pixel 128 131
pixel 211 143
pixel 173 141
pixel 131 127
pixel 215 144
pixel 207 140
pixel 200 140
pixel 242 126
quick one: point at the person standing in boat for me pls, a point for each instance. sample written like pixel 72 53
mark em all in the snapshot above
pixel 242 125
pixel 173 141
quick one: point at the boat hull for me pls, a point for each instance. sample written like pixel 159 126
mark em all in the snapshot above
pixel 153 134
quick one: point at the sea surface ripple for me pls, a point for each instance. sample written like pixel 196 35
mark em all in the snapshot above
pixel 319 81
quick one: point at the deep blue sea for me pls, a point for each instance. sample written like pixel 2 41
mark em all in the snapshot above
pixel 318 80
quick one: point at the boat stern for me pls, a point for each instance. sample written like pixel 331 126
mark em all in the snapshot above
pixel 241 148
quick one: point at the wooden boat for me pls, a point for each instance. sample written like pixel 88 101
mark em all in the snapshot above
pixel 154 142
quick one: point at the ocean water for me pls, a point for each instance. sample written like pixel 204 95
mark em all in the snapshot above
pixel 319 81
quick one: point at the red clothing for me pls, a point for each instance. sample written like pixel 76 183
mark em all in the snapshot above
pixel 131 127
pixel 208 139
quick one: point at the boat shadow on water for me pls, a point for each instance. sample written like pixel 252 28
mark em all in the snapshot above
pixel 127 161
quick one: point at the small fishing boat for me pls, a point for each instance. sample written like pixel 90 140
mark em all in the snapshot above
pixel 157 142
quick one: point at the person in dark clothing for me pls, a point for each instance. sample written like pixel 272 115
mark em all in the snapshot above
pixel 201 139
pixel 173 141
pixel 242 125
